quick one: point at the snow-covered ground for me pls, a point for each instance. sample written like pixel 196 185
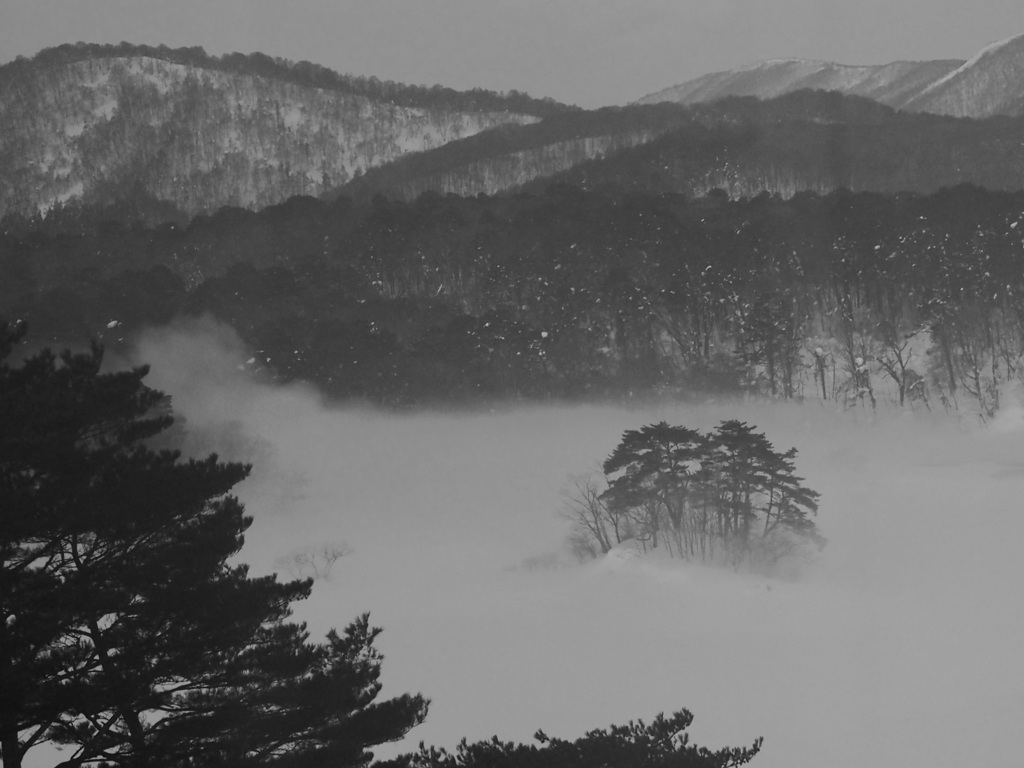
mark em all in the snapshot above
pixel 901 646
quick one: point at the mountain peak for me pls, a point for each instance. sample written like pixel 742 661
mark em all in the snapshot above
pixel 892 84
pixel 990 82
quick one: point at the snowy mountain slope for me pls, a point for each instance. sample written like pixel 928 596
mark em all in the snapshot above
pixel 892 84
pixel 493 175
pixel 201 137
pixel 508 157
pixel 990 83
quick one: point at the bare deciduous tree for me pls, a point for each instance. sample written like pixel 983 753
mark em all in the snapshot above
pixel 314 561
pixel 593 521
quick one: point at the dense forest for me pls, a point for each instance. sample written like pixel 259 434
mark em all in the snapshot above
pixel 845 297
pixel 96 125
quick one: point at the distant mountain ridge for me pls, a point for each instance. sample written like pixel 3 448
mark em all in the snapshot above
pixel 138 133
pixel 990 83
pixel 807 140
pixel 92 124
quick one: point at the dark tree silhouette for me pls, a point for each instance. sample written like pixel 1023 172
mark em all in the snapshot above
pixel 124 632
pixel 729 491
pixel 663 743
pixel 651 470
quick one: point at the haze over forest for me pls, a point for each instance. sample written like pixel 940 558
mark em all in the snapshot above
pixel 902 625
pixel 430 317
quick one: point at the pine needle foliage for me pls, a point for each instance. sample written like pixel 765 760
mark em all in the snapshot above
pixel 726 494
pixel 126 635
pixel 663 743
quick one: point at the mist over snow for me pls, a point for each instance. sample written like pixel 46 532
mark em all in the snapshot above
pixel 899 646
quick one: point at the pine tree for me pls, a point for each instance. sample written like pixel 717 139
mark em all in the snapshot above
pixel 125 633
pixel 663 743
pixel 729 489
pixel 651 469
pixel 757 492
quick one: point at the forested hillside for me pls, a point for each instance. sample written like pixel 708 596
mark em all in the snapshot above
pixel 510 156
pixel 805 141
pixel 154 134
pixel 818 142
pixel 95 125
pixel 848 297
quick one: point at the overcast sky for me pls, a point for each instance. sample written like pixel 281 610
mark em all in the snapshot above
pixel 587 52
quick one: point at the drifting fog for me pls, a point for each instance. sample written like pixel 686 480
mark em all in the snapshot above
pixel 900 646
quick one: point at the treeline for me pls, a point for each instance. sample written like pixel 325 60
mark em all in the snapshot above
pixel 856 298
pixel 300 73
pixel 725 496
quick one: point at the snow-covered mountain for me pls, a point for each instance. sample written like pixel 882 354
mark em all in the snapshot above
pixel 991 83
pixel 892 84
pixel 94 124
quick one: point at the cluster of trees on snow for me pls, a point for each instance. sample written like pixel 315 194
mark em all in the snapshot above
pixel 725 496
pixel 851 298
pixel 127 637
